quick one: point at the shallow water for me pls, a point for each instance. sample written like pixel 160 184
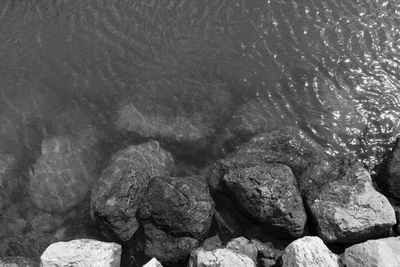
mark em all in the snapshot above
pixel 329 67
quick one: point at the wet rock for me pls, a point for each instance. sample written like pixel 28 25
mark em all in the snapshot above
pixel 243 246
pixel 219 258
pixel 266 191
pixel 389 173
pixel 186 120
pixel 18 262
pixel 344 204
pixel 176 214
pixel 374 253
pixel 288 146
pixel 119 190
pixel 82 252
pixel 153 263
pixel 62 176
pixel 309 251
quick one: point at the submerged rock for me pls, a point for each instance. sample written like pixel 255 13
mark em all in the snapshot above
pixel 8 180
pixel 221 257
pixel 374 253
pixel 309 251
pixel 266 191
pixel 346 207
pixel 82 252
pixel 186 120
pixel 119 190
pixel 176 214
pixel 62 176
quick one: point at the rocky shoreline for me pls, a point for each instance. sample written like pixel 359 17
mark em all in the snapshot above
pixel 271 198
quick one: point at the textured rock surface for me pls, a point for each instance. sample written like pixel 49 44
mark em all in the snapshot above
pixel 176 214
pixel 63 174
pixel 288 146
pixel 266 191
pixel 344 203
pixel 309 252
pixel 243 246
pixel 267 254
pixel 82 252
pixel 116 196
pixel 374 253
pixel 186 123
pixel 153 263
pixel 18 262
pixel 219 258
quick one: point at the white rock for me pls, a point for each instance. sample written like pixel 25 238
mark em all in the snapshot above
pixel 82 252
pixel 153 263
pixel 383 252
pixel 221 257
pixel 309 251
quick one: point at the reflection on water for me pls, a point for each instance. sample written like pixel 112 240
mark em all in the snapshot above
pixel 329 67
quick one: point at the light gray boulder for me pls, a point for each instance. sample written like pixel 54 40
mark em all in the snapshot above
pixel 153 263
pixel 383 252
pixel 309 251
pixel 221 257
pixel 243 246
pixel 82 252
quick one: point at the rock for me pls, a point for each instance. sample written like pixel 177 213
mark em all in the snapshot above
pixel 30 245
pixel 288 146
pixel 82 252
pixel 176 214
pixel 309 251
pixel 267 254
pixel 186 123
pixel 243 246
pixel 266 191
pixel 219 258
pixel 153 263
pixel 18 262
pixel 374 253
pixel 62 176
pixel 212 243
pixel 344 204
pixel 389 173
pixel 119 190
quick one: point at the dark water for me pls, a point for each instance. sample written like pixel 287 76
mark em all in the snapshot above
pixel 329 67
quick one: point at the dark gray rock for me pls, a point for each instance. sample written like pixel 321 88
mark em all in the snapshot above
pixel 212 243
pixel 288 146
pixel 267 255
pixel 63 175
pixel 389 173
pixel 8 178
pixel 186 120
pixel 119 190
pixel 266 191
pixel 344 204
pixel 176 214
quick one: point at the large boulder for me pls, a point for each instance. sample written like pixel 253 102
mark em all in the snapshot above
pixel 82 252
pixel 288 146
pixel 344 204
pixel 119 190
pixel 186 119
pixel 309 251
pixel 389 172
pixel 63 175
pixel 266 192
pixel 221 257
pixel 176 214
pixel 374 253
